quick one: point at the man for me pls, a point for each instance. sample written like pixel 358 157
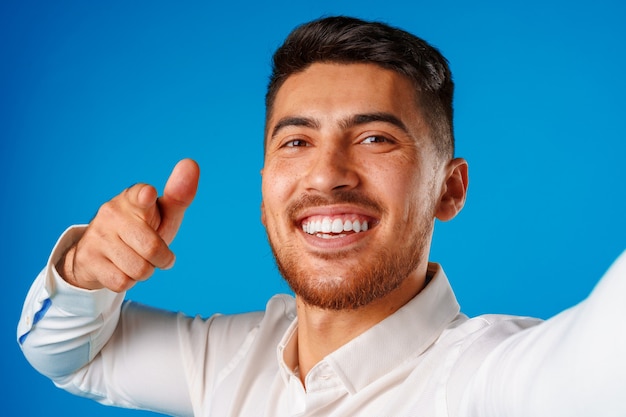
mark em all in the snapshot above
pixel 359 162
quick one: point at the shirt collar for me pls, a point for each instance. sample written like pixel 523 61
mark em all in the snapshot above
pixel 406 333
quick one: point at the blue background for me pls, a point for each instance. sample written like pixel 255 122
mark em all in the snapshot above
pixel 95 96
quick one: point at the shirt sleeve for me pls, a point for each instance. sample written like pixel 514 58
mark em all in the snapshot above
pixel 570 365
pixel 94 344
pixel 87 318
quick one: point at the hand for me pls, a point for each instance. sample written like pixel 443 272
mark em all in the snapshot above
pixel 130 234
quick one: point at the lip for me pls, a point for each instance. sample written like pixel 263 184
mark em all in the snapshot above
pixel 340 210
pixel 334 244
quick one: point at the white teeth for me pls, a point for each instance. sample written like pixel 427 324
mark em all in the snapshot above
pixel 328 236
pixel 324 227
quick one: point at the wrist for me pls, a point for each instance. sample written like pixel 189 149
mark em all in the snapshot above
pixel 65 269
pixel 64 266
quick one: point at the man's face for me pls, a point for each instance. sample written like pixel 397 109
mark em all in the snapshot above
pixel 351 184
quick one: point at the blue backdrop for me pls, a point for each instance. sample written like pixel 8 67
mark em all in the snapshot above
pixel 95 96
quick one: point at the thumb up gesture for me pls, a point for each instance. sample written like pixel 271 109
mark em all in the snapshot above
pixel 130 235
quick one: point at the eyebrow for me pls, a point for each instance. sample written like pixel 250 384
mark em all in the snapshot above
pixel 361 119
pixel 294 121
pixel 352 121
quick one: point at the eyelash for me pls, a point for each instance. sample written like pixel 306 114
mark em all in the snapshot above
pixel 295 143
pixel 379 138
pixel 292 143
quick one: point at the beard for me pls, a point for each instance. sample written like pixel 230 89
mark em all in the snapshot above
pixel 372 278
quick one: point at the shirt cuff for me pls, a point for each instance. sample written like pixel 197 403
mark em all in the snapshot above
pixel 67 297
pixel 49 288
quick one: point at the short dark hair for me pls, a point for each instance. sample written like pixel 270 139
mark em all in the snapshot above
pixel 342 39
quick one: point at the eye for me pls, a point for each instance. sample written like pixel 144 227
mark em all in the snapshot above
pixel 375 139
pixel 295 143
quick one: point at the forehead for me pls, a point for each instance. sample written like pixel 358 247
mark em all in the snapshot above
pixel 329 91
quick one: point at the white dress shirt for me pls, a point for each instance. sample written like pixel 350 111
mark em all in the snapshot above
pixel 425 360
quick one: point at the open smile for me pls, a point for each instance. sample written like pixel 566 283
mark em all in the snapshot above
pixel 337 226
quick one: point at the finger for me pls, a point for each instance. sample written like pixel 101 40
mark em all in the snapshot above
pixel 116 265
pixel 92 270
pixel 132 264
pixel 124 226
pixel 111 277
pixel 118 234
pixel 142 200
pixel 179 192
pixel 141 196
pixel 143 241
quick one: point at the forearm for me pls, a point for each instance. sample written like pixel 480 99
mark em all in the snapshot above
pixel 571 365
pixel 62 328
pixel 92 344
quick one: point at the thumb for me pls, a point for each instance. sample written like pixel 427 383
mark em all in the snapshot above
pixel 179 192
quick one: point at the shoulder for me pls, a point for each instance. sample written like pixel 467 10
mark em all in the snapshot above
pixel 487 329
pixel 281 306
pixel 279 312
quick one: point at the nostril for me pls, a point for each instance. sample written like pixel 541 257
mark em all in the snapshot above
pixel 327 177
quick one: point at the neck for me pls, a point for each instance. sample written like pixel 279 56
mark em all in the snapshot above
pixel 321 332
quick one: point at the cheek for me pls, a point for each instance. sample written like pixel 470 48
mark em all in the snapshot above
pixel 281 177
pixel 410 197
pixel 399 187
pixel 276 191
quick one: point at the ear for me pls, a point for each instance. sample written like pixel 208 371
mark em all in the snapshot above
pixel 453 191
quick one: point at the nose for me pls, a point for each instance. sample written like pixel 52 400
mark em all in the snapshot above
pixel 332 167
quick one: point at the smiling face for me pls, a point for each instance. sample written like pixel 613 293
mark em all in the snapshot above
pixel 351 185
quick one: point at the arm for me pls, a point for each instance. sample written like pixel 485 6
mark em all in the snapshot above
pixel 74 328
pixel 571 365
pixel 92 344
pixel 130 235
pixel 62 327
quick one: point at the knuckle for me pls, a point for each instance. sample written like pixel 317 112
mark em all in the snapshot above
pixel 88 248
pixel 142 271
pixel 109 217
pixel 118 281
pixel 107 210
pixel 152 249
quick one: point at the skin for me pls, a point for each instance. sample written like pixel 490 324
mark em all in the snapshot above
pixel 318 152
pixel 320 160
pixel 129 236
